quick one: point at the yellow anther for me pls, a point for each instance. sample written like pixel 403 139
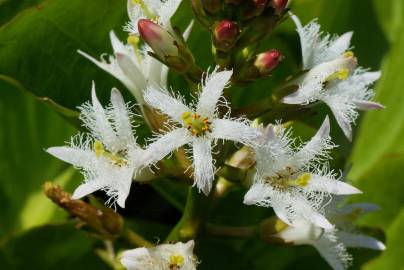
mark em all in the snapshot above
pixel 343 74
pixel 133 40
pixel 176 261
pixel 348 54
pixel 115 159
pixel 195 123
pixel 98 148
pixel 303 179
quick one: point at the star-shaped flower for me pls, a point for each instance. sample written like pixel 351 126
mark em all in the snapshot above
pixel 199 125
pixel 132 65
pixel 108 156
pixel 333 76
pixel 295 181
pixel 178 256
pixel 332 243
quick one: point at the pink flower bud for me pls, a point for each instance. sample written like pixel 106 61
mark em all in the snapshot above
pixel 265 62
pixel 159 39
pixel 279 5
pixel 225 34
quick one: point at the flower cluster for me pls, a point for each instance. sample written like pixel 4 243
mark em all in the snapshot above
pixel 293 178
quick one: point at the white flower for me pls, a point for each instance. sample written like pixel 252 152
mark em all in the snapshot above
pixel 333 76
pixel 332 243
pixel 295 182
pixel 131 65
pixel 200 125
pixel 160 11
pixel 177 256
pixel 109 156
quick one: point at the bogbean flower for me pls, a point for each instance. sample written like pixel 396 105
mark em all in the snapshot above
pixel 108 156
pixel 332 76
pixel 159 11
pixel 131 65
pixel 332 243
pixel 177 256
pixel 295 181
pixel 199 125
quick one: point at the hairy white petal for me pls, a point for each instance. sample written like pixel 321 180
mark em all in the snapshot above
pixel 332 251
pixel 258 194
pixel 302 208
pixel 121 119
pixel 344 112
pixel 165 144
pixel 203 164
pixel 167 104
pixel 139 259
pixel 317 148
pixel 359 241
pixel 95 118
pixel 368 105
pixel 86 188
pixel 234 130
pixel 326 184
pixel 339 45
pixel 75 156
pixel 212 88
pixel 167 10
pixel 132 72
pixel 188 30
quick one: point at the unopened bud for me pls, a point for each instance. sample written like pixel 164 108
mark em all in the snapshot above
pixel 167 46
pixel 279 5
pixel 225 34
pixel 266 62
pixel 255 8
pixel 212 6
pixel 159 39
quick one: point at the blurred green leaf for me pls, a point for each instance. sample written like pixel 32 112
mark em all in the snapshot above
pixel 51 247
pixel 392 258
pixel 39 48
pixel 27 128
pixel 10 8
pixel 391 15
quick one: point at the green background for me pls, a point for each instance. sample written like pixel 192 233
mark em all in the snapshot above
pixel 43 80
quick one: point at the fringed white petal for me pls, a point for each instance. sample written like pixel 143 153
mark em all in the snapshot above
pixel 368 105
pixel 344 112
pixel 234 130
pixel 161 100
pixel 139 258
pixel 117 45
pixel 302 208
pixel 323 183
pixel 359 241
pixel 188 30
pixel 167 10
pixel 86 188
pixel 135 76
pixel 317 148
pixel 96 119
pixel 258 194
pixel 338 46
pixel 111 67
pixel 165 144
pixel 121 119
pixel 212 88
pixel 80 158
pixel 203 164
pixel 333 252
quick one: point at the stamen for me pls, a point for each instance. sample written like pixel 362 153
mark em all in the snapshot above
pixel 115 159
pixel 197 124
pixel 341 74
pixel 303 179
pixel 134 41
pixel 348 54
pixel 176 261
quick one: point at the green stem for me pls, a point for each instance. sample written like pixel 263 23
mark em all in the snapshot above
pixel 193 219
pixel 136 240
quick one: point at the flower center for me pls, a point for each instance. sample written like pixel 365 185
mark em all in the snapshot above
pixel 287 178
pixel 343 73
pixel 115 159
pixel 197 124
pixel 176 261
